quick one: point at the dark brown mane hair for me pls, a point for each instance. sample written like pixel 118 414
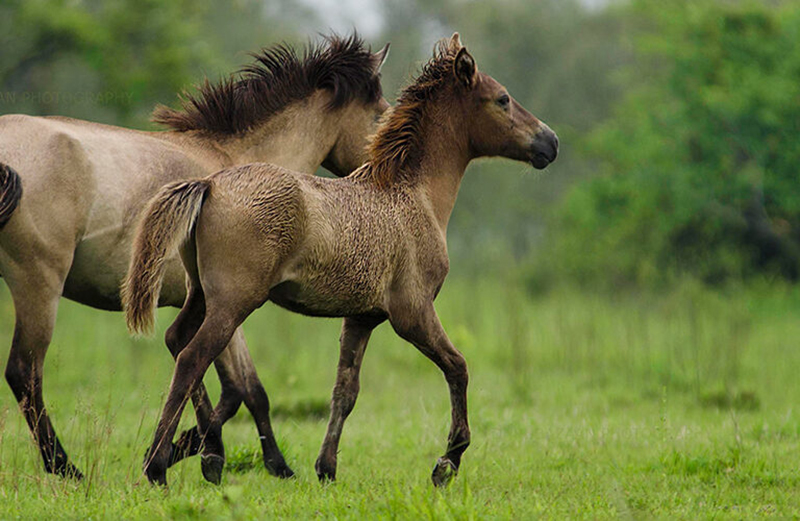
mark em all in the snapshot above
pixel 279 77
pixel 396 147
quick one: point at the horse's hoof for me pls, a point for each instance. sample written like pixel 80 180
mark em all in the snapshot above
pixel 72 472
pixel 326 473
pixel 68 471
pixel 443 472
pixel 156 478
pixel 281 470
pixel 212 466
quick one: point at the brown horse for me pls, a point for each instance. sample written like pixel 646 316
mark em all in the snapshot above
pixel 370 247
pixel 66 220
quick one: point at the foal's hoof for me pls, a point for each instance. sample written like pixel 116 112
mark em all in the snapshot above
pixel 443 472
pixel 212 466
pixel 280 470
pixel 156 477
pixel 325 472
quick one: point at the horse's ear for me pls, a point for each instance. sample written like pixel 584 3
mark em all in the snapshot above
pixel 464 68
pixel 379 58
pixel 455 42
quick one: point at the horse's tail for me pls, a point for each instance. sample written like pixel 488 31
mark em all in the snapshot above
pixel 10 193
pixel 167 222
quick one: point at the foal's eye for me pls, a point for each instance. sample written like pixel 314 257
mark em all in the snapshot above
pixel 503 101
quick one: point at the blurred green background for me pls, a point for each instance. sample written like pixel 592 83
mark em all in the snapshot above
pixel 678 120
pixel 629 314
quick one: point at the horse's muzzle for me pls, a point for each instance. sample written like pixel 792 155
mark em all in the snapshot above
pixel 544 149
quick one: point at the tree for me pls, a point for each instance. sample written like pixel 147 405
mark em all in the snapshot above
pixel 101 60
pixel 698 164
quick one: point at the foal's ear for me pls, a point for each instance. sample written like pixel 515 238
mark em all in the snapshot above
pixel 379 58
pixel 464 68
pixel 455 41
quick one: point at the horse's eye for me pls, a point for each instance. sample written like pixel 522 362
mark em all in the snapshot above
pixel 503 101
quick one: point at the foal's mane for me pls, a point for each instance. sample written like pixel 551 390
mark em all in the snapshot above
pixel 396 147
pixel 278 77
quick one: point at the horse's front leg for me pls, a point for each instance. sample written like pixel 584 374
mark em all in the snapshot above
pixel 353 343
pixel 425 331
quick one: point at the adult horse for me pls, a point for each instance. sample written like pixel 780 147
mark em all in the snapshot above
pixel 71 190
pixel 370 247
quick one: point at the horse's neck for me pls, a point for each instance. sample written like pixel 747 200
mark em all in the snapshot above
pixel 444 159
pixel 298 138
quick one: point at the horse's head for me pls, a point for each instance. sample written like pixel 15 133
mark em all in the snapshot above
pixel 498 124
pixel 358 121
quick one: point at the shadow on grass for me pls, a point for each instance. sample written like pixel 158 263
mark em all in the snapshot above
pixel 311 409
pixel 738 401
pixel 244 459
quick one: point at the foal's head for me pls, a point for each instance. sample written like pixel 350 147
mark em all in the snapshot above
pixel 497 124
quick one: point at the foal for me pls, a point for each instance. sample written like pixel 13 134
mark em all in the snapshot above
pixel 369 248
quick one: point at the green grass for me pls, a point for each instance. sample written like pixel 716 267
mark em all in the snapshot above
pixel 681 405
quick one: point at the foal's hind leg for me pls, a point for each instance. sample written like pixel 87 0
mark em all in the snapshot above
pixel 424 330
pixel 36 293
pixel 239 382
pixel 207 436
pixel 353 344
pixel 191 364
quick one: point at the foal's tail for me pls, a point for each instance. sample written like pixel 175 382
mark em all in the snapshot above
pixel 10 193
pixel 167 223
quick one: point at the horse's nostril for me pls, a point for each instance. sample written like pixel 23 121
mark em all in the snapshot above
pixel 545 146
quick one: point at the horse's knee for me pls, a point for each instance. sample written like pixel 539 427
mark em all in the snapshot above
pixel 172 339
pixel 19 374
pixel 457 372
pixel 18 379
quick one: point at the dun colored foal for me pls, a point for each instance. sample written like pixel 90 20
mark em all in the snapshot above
pixel 370 247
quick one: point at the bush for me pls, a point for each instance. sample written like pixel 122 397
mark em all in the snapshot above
pixel 697 168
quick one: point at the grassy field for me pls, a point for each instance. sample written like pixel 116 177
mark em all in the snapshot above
pixel 679 405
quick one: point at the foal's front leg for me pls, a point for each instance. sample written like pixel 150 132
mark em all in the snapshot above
pixel 353 343
pixel 427 334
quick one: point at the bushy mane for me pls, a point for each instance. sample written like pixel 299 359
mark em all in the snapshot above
pixel 396 147
pixel 278 77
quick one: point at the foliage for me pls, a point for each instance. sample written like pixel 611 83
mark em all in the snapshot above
pixel 101 60
pixel 698 165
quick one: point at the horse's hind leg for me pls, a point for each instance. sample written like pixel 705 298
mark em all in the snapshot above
pixel 36 295
pixel 236 360
pixel 353 344
pixel 191 364
pixel 239 382
pixel 207 436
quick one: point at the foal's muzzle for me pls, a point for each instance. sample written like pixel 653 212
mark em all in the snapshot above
pixel 544 148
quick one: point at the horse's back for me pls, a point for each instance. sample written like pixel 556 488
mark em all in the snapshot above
pixel 53 171
pixel 83 185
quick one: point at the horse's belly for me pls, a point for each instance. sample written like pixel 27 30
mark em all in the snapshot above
pixel 97 273
pixel 325 302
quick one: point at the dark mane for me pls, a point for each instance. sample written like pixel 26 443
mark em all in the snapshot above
pixel 396 146
pixel 278 77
